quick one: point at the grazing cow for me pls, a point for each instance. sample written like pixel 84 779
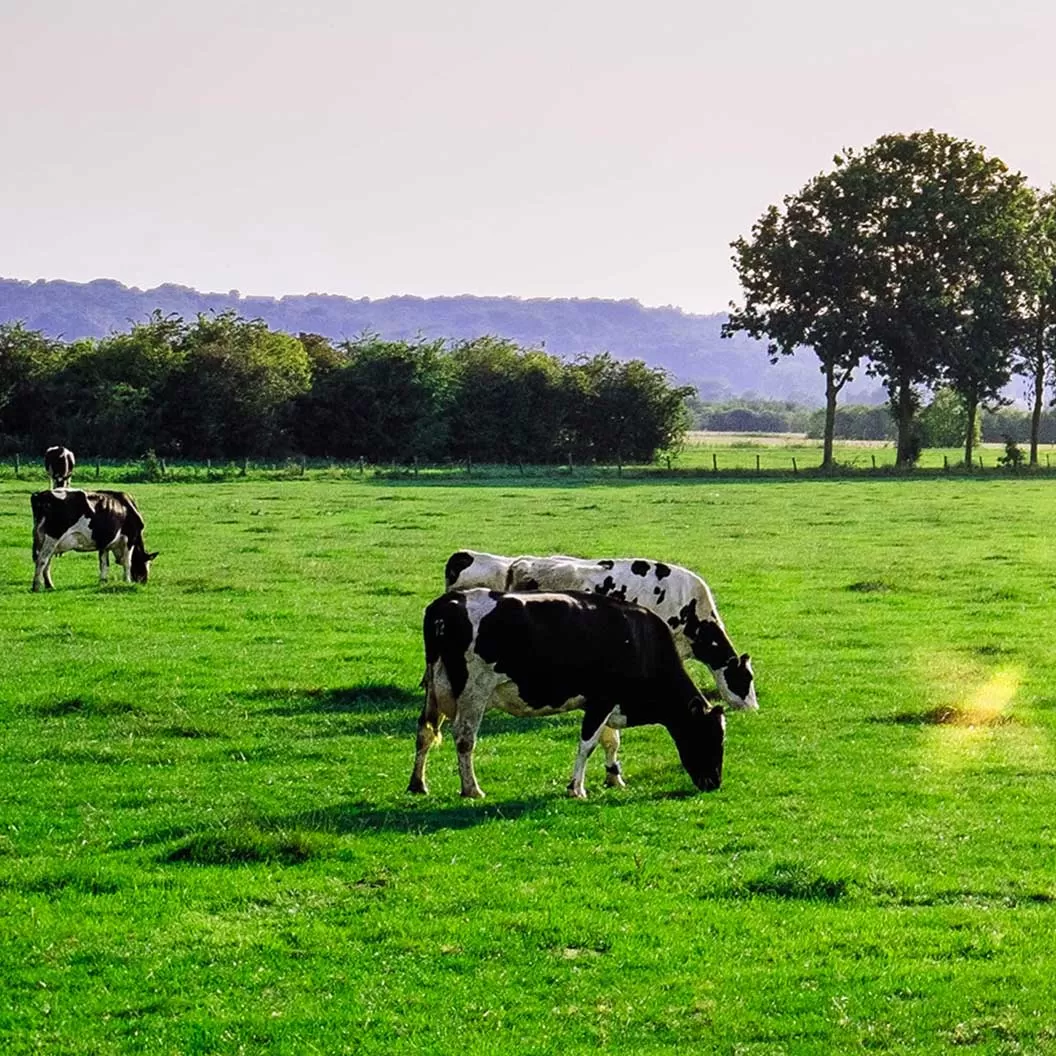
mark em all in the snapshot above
pixel 542 654
pixel 72 519
pixel 676 594
pixel 59 463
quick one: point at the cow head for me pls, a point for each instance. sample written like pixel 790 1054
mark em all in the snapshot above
pixel 701 746
pixel 141 564
pixel 736 683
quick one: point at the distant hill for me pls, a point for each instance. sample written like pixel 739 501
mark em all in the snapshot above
pixel 688 346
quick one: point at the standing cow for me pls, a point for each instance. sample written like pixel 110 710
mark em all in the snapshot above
pixel 680 597
pixel 59 463
pixel 103 521
pixel 542 654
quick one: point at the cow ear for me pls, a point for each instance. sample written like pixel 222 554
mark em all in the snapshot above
pixel 745 658
pixel 717 711
pixel 696 706
pixel 150 557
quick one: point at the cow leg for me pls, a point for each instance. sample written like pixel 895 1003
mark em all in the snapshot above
pixel 465 726
pixel 123 553
pixel 42 567
pixel 590 734
pixel 104 565
pixel 429 735
pixel 610 741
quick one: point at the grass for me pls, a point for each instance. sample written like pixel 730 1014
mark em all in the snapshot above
pixel 206 846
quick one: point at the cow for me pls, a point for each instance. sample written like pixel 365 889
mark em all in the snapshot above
pixel 545 653
pixel 104 521
pixel 59 463
pixel 680 597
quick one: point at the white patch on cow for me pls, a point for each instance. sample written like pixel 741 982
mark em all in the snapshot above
pixel 76 537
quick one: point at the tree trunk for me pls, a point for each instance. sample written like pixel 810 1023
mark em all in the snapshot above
pixel 904 408
pixel 971 405
pixel 831 391
pixel 1039 391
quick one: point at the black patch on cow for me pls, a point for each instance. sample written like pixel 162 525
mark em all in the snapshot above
pixel 659 593
pixel 674 622
pixel 662 570
pixel 710 643
pixel 457 563
pixel 608 588
pixel 606 564
pixel 739 676
pixel 555 648
pixel 447 632
pixel 640 568
pixel 115 512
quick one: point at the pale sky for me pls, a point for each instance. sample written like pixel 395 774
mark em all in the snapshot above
pixel 584 148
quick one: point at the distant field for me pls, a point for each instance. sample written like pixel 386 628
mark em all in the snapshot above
pixel 777 450
pixel 206 846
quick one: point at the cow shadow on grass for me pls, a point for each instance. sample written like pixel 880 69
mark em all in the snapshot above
pixel 264 837
pixel 418 816
pixel 367 708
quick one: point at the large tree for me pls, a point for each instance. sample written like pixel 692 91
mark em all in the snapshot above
pixel 1038 340
pixel 913 251
pixel 801 275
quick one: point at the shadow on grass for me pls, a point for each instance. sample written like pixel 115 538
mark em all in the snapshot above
pixel 367 698
pixel 418 816
pixel 946 716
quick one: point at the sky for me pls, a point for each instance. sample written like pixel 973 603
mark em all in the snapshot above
pixel 558 148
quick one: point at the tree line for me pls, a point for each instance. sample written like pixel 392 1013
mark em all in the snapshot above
pixel 226 387
pixel 920 256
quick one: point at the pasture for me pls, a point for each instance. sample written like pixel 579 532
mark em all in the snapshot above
pixel 206 845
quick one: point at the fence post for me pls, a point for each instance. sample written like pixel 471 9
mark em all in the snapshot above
pixel 18 466
pixel 245 466
pixel 945 463
pixel 97 469
pixel 980 461
pixel 874 461
pixel 795 468
pixel 757 463
pixel 714 462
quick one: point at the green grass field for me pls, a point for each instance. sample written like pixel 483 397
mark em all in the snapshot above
pixel 206 846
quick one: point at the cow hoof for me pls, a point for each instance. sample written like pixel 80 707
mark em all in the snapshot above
pixel 614 781
pixel 576 793
pixel 419 788
pixel 472 793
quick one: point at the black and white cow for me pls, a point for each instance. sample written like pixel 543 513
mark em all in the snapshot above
pixel 680 597
pixel 104 521
pixel 59 463
pixel 542 654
